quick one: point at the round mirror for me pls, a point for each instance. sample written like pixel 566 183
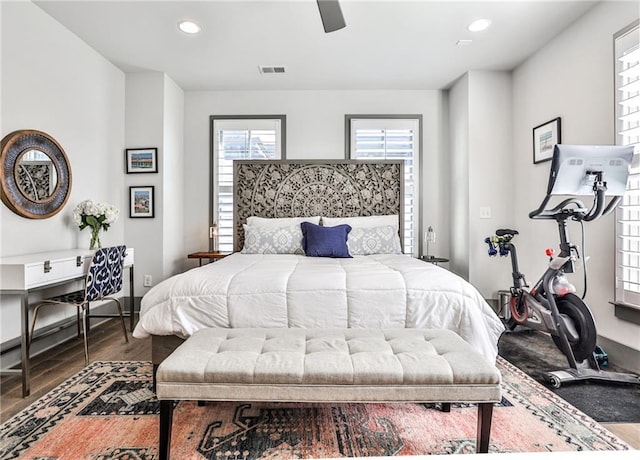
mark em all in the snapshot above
pixel 35 175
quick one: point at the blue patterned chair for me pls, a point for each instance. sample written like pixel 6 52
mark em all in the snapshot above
pixel 104 279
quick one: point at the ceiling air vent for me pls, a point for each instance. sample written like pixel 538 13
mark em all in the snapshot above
pixel 271 69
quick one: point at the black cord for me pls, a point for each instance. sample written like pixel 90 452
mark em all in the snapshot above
pixel 584 261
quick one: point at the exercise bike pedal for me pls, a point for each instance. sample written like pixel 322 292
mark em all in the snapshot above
pixel 601 356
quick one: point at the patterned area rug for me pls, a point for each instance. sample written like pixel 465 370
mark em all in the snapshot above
pixel 108 411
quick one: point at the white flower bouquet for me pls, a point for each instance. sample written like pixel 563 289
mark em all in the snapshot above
pixel 97 216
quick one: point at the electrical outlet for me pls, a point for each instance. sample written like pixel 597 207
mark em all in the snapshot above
pixel 485 212
pixel 147 281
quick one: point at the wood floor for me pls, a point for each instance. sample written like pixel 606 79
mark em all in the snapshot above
pixel 107 344
pixel 50 369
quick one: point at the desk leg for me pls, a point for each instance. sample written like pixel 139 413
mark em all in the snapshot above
pixel 24 343
pixel 131 299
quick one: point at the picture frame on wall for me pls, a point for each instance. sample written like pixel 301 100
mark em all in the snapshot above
pixel 545 137
pixel 141 160
pixel 141 201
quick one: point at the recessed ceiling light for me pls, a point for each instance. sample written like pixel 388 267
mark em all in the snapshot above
pixel 479 25
pixel 189 27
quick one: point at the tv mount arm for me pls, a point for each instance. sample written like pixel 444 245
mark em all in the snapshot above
pixel 599 189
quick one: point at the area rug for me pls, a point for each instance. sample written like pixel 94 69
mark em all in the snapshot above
pixel 535 354
pixel 109 411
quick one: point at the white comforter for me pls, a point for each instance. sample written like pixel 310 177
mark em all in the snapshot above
pixel 380 291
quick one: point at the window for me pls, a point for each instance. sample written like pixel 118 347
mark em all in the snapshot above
pixel 627 97
pixel 390 138
pixel 239 138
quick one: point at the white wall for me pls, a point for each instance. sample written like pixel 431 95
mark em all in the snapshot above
pixel 459 175
pixel 480 154
pixel 173 175
pixel 154 118
pixel 54 82
pixel 145 128
pixel 315 129
pixel 490 178
pixel 571 77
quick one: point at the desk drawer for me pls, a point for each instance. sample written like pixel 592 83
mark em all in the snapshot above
pixel 20 273
pixel 53 271
pixel 50 269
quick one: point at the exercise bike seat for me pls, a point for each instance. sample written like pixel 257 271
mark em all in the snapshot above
pixel 506 231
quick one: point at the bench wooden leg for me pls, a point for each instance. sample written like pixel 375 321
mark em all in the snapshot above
pixel 166 418
pixel 485 412
pixel 154 380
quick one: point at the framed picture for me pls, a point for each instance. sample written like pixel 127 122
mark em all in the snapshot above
pixel 141 201
pixel 545 137
pixel 141 160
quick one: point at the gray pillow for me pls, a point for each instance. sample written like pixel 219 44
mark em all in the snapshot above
pixel 374 240
pixel 277 240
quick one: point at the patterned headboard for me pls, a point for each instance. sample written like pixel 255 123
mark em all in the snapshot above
pixel 340 188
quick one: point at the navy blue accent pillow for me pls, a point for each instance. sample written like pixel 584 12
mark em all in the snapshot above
pixel 318 241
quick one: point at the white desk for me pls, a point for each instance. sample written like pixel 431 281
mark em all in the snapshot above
pixel 21 275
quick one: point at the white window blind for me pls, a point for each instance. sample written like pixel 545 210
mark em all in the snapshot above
pixel 238 139
pixel 627 82
pixel 392 139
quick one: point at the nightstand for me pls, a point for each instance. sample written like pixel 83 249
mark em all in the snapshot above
pixel 211 255
pixel 434 260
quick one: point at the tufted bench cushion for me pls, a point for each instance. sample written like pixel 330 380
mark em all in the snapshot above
pixel 326 365
pixel 319 365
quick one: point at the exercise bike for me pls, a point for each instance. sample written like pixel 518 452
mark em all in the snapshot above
pixel 551 305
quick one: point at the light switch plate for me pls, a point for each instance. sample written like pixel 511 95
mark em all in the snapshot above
pixel 485 212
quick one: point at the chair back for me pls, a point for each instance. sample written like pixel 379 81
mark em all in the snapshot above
pixel 105 273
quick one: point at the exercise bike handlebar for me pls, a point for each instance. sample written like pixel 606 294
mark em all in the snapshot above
pixel 565 209
pixel 562 208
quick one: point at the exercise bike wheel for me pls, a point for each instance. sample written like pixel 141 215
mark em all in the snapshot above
pixel 517 304
pixel 576 310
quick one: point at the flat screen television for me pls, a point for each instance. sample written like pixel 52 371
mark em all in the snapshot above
pixel 572 169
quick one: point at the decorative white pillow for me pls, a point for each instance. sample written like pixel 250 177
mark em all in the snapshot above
pixel 374 240
pixel 276 240
pixel 271 222
pixel 363 221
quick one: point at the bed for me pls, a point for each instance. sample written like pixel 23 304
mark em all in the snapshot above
pixel 280 208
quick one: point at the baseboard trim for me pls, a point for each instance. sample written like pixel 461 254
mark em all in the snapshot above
pixel 56 333
pixel 621 355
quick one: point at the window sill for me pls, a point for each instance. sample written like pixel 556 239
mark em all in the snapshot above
pixel 626 312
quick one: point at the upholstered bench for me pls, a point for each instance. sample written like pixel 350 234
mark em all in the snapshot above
pixel 327 365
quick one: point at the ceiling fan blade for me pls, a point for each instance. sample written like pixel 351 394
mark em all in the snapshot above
pixel 331 15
